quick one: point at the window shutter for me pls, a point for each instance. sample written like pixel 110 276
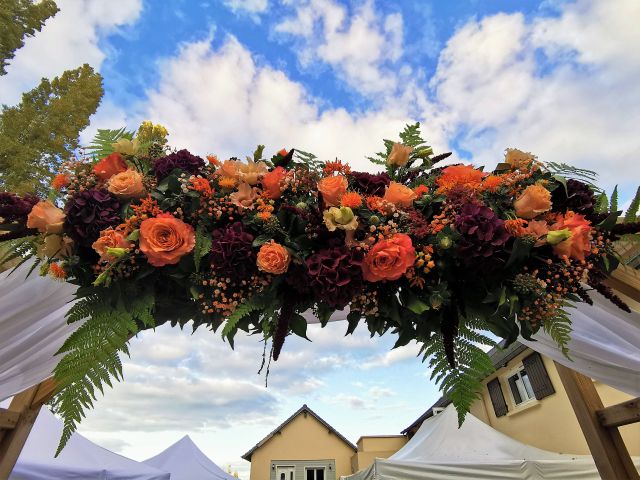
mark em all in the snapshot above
pixel 497 398
pixel 514 389
pixel 538 376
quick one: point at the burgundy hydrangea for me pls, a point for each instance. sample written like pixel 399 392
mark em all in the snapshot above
pixel 14 208
pixel 369 184
pixel 88 213
pixel 578 197
pixel 335 275
pixel 182 159
pixel 482 232
pixel 231 253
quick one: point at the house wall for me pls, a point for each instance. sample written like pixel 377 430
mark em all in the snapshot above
pixel 370 448
pixel 304 438
pixel 549 423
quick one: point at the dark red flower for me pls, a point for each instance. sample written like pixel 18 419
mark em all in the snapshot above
pixel 14 208
pixel 182 159
pixel 482 232
pixel 578 197
pixel 335 275
pixel 88 213
pixel 369 184
pixel 232 254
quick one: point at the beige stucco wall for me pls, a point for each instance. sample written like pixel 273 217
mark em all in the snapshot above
pixel 549 423
pixel 372 447
pixel 304 438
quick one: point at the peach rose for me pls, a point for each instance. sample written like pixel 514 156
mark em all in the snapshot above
pixel 518 159
pixel 579 243
pixel 537 229
pixel 251 172
pixel 46 217
pixel 127 184
pixel 245 196
pixel 532 202
pixel 332 189
pixel 399 155
pixel 273 258
pixel 109 166
pixel 109 238
pixel 389 259
pixel 399 195
pixel 166 239
pixel 229 169
pixel 272 182
pixel 55 246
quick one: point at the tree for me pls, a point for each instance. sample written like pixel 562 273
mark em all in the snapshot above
pixel 40 132
pixel 20 19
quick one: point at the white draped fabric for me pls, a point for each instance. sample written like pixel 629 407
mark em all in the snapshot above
pixel 32 327
pixel 605 341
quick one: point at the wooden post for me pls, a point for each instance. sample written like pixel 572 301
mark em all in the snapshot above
pixel 606 445
pixel 17 421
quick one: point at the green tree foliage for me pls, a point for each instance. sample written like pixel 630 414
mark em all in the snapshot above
pixel 38 134
pixel 20 19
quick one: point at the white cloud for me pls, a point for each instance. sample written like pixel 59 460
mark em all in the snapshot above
pixel 362 48
pixel 563 87
pixel 69 39
pixel 391 357
pixel 251 7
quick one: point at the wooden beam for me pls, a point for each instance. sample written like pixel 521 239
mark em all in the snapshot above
pixel 621 414
pixel 8 419
pixel 606 445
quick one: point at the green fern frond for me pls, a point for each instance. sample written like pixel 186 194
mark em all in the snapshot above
pixel 244 309
pixel 463 383
pixel 613 206
pixel 17 251
pixel 91 353
pixel 632 211
pixel 569 171
pixel 559 329
pixel 310 160
pixel 102 143
pixel 203 245
pixel 410 136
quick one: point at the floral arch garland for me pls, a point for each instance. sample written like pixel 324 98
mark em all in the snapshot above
pixel 434 254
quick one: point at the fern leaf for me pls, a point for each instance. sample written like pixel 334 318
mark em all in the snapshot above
pixel 203 245
pixel 632 211
pixel 613 206
pixel 244 309
pixel 91 353
pixel 102 143
pixel 569 171
pixel 602 203
pixel 463 383
pixel 559 329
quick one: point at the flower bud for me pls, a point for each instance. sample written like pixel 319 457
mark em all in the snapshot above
pixel 374 220
pixel 445 243
pixel 117 252
pixel 556 236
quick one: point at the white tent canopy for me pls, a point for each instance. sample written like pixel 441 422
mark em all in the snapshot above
pixel 185 461
pixel 440 450
pixel 605 341
pixel 80 459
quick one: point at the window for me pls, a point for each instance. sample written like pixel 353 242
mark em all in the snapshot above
pixel 437 410
pixel 520 386
pixel 315 474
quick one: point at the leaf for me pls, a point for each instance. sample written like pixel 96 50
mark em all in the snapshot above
pixel 563 181
pixel 202 246
pixel 134 236
pixel 353 318
pixel 298 325
pixel 324 313
pixel 257 154
pixel 260 240
pixel 608 223
pixel 613 206
pixel 602 203
pixel 102 143
pixel 520 252
pixel 632 211
pixel 413 303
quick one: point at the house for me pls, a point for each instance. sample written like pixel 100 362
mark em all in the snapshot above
pixel 303 447
pixel 371 447
pixel 525 399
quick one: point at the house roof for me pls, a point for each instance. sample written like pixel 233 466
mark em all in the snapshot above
pixel 304 408
pixel 499 356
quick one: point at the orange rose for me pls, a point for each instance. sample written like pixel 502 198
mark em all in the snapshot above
pixel 399 155
pixel 46 217
pixel 579 244
pixel 272 182
pixel 127 184
pixel 389 259
pixel 109 166
pixel 109 238
pixel 245 196
pixel 399 195
pixel 273 258
pixel 518 159
pixel 332 189
pixel 532 202
pixel 166 239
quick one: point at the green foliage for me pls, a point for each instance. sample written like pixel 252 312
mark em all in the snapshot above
pixel 203 245
pixel 20 19
pixel 42 131
pixel 602 203
pixel 102 143
pixel 309 159
pixel 559 329
pixel 248 306
pixel 569 171
pixel 632 212
pixel 410 136
pixel 14 253
pixel 463 383
pixel 91 354
pixel 613 205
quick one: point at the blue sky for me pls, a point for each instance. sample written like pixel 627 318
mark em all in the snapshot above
pixel 554 77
